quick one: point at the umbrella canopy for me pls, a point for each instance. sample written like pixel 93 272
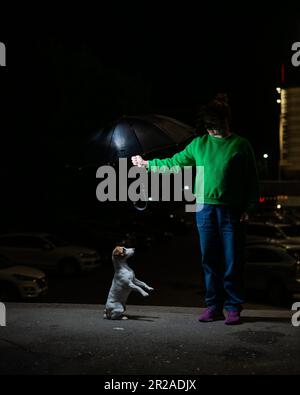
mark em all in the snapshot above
pixel 136 135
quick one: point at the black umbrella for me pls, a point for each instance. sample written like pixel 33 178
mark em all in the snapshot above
pixel 136 135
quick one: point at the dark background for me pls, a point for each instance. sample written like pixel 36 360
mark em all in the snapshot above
pixel 68 79
pixel 67 76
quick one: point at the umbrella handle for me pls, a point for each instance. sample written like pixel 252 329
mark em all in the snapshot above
pixel 146 200
pixel 140 208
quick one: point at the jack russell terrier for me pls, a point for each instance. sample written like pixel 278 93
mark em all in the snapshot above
pixel 123 283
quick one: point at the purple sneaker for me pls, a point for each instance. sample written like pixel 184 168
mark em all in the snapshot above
pixel 233 318
pixel 210 315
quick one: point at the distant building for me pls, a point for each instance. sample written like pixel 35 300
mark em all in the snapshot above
pixel 289 133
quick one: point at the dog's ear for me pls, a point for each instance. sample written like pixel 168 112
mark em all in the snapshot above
pixel 119 251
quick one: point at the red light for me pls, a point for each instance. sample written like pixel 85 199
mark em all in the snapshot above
pixel 262 200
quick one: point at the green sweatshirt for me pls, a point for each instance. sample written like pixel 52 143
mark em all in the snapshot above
pixel 230 173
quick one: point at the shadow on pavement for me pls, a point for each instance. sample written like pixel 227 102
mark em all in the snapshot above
pixel 265 319
pixel 142 318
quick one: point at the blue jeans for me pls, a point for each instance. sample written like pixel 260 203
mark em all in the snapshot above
pixel 222 244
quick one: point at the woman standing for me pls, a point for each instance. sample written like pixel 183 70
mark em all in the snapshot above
pixel 230 193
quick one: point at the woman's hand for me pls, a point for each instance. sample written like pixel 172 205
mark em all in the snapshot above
pixel 139 161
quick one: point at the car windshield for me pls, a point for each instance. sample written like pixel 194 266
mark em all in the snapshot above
pixel 56 241
pixel 291 230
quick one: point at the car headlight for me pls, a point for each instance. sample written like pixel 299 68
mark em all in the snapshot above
pixel 22 277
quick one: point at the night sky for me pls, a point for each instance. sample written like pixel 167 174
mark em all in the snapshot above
pixel 64 81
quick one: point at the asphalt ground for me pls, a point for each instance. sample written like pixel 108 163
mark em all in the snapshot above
pixel 76 339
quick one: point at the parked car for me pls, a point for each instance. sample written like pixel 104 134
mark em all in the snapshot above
pixel 21 282
pixel 273 271
pixel 47 252
pixel 274 233
pixel 274 217
pixel 94 235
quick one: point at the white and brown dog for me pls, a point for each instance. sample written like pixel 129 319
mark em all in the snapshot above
pixel 123 283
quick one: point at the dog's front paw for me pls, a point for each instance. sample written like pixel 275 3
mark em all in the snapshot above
pixel 145 294
pixel 150 289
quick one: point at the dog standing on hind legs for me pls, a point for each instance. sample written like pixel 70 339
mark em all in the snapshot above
pixel 123 283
